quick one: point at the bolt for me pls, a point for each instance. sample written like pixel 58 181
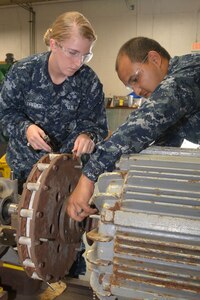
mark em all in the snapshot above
pixel 45 187
pixel 65 157
pixel 41 265
pixel 39 214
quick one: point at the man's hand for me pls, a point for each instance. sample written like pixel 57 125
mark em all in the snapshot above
pixel 35 137
pixel 78 204
pixel 83 144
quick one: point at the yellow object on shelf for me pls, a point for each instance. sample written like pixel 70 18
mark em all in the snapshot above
pixel 4 168
pixel 121 102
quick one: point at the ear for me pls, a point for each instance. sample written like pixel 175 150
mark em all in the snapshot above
pixel 155 58
pixel 53 44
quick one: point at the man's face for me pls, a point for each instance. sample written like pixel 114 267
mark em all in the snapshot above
pixel 142 77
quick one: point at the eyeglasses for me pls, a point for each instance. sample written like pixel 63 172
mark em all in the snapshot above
pixel 133 80
pixel 70 53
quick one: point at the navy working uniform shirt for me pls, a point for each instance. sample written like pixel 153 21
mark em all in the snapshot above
pixel 63 111
pixel 171 114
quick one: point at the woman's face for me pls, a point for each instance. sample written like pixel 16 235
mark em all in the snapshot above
pixel 70 54
pixel 142 77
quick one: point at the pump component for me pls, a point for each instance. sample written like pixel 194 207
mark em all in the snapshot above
pixel 147 244
pixel 8 200
pixel 47 240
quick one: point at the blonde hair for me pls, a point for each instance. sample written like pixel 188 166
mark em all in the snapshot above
pixel 63 26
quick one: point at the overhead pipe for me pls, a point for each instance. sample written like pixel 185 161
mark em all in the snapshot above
pixel 32 17
pixel 7 3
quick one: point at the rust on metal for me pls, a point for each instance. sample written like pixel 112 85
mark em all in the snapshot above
pixel 94 235
pixel 55 238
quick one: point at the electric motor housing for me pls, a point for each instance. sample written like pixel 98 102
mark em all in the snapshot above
pixel 147 243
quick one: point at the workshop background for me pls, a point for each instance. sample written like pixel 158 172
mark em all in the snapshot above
pixel 174 23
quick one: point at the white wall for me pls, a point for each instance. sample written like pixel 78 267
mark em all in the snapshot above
pixel 174 23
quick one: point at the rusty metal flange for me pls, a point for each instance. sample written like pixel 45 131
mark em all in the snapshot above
pixel 48 240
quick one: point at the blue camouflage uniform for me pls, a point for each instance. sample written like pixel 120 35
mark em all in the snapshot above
pixel 171 114
pixel 63 111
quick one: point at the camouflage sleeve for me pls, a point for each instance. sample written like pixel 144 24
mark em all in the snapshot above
pixel 91 115
pixel 171 102
pixel 13 120
pixel 92 112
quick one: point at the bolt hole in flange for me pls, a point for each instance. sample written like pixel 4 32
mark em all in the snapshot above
pixel 59 248
pixel 70 189
pixel 59 241
pixel 58 197
pixel 52 229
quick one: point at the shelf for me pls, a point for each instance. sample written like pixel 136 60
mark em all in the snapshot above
pixel 122 107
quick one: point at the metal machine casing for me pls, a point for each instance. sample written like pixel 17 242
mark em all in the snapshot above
pixel 147 244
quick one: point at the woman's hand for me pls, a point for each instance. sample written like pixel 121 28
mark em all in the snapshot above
pixel 35 137
pixel 78 204
pixel 83 144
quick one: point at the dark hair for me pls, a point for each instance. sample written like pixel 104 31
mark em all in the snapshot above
pixel 137 48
